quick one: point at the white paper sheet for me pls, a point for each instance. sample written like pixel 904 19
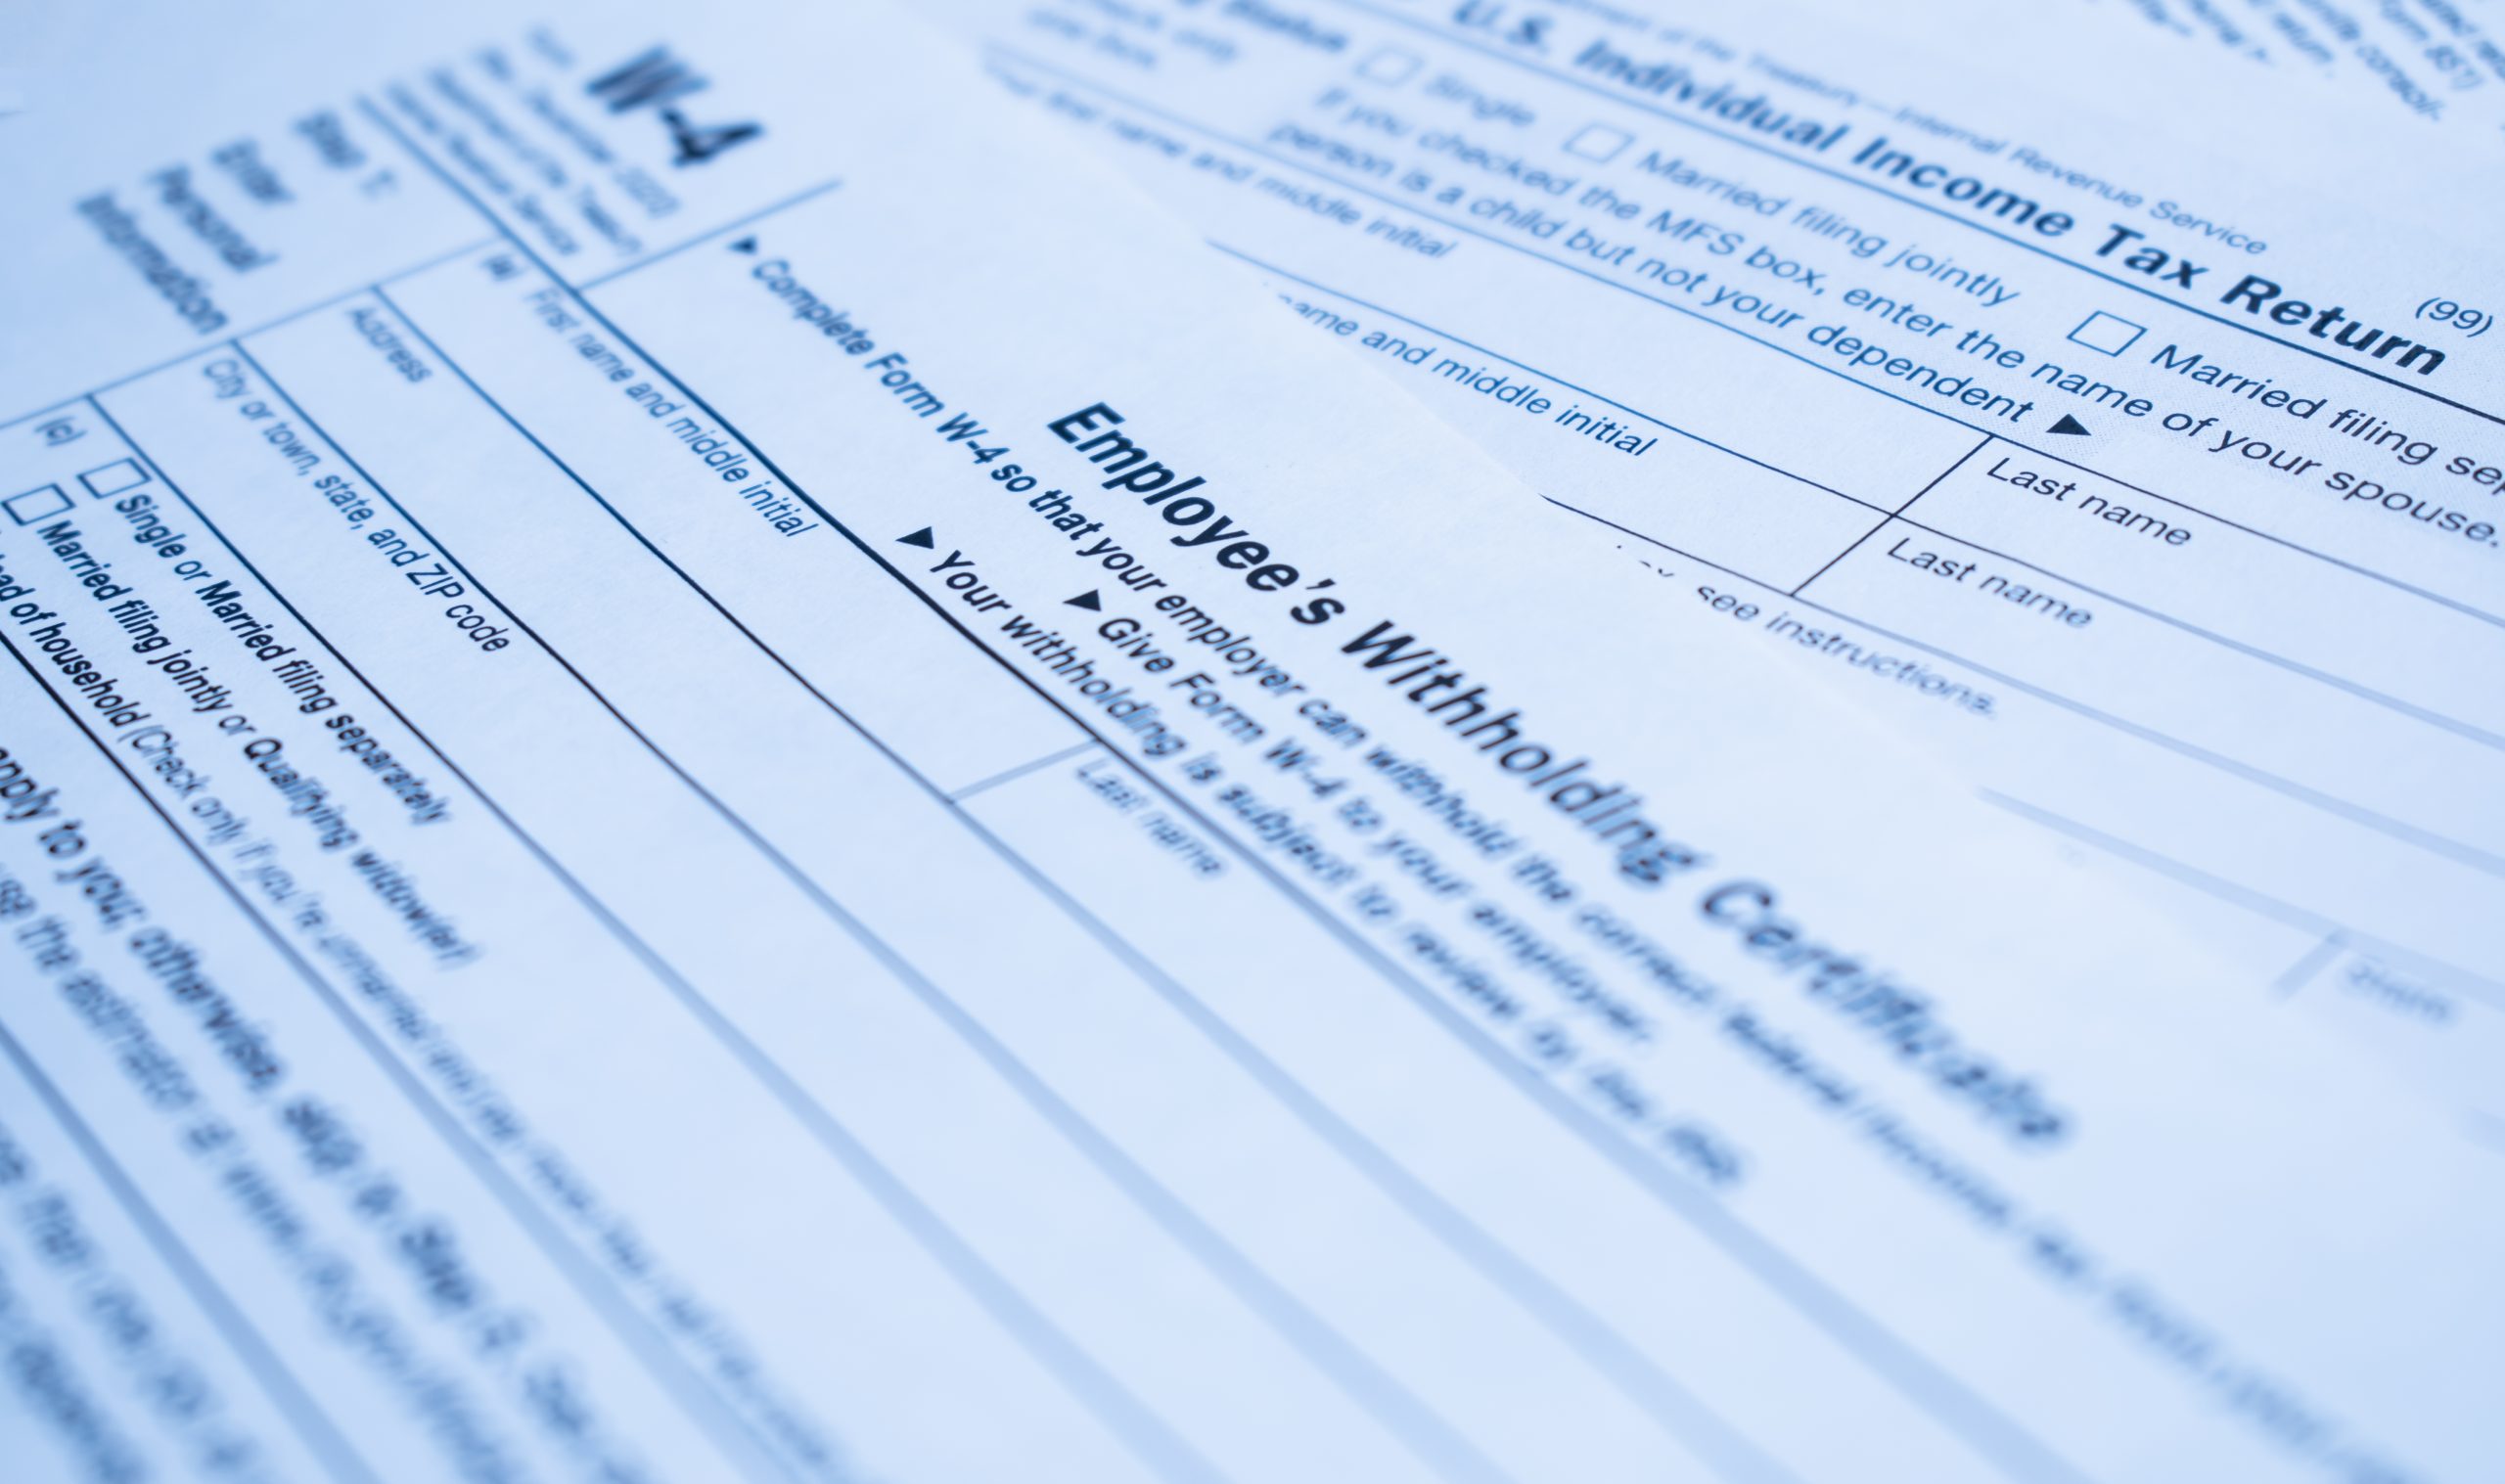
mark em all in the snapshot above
pixel 597 886
pixel 2085 421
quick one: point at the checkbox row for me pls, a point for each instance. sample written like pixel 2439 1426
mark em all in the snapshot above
pixel 46 501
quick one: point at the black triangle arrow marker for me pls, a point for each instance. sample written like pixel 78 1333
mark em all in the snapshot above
pixel 2070 425
pixel 921 538
pixel 1086 600
pixel 745 245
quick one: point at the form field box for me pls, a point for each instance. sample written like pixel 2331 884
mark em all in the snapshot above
pixel 2250 591
pixel 2002 614
pixel 1640 354
pixel 2106 334
pixel 40 503
pixel 1715 507
pixel 1390 65
pixel 1598 142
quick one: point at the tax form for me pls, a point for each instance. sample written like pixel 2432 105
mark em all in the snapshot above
pixel 2105 444
pixel 2435 66
pixel 709 771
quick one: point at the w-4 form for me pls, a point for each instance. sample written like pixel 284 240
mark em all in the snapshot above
pixel 1802 321
pixel 709 771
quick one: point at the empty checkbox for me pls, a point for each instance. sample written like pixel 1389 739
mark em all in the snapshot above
pixel 1598 142
pixel 36 505
pixel 113 478
pixel 2109 334
pixel 1390 65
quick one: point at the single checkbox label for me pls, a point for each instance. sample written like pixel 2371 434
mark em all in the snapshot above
pixel 107 479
